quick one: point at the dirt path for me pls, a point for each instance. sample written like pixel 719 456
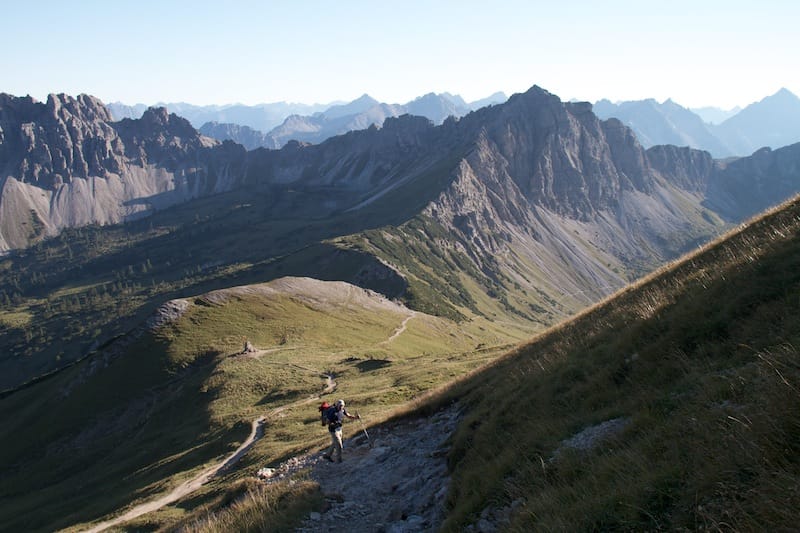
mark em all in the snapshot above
pixel 400 329
pixel 256 432
pixel 186 488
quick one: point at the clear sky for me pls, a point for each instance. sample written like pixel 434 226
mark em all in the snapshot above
pixel 698 52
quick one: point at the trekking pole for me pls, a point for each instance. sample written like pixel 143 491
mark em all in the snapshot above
pixel 364 429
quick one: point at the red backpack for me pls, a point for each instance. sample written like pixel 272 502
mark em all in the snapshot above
pixel 322 409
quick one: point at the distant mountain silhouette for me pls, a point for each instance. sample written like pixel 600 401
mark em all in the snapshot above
pixel 359 114
pixel 773 121
pixel 496 98
pixel 714 115
pixel 273 125
pixel 667 123
pixel 260 117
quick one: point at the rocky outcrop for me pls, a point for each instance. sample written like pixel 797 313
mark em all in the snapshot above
pixel 743 187
pixel 685 167
pixel 66 163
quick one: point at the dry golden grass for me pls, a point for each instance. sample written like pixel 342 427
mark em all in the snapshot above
pixel 700 359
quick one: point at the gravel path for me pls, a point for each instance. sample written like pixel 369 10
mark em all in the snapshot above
pixel 397 485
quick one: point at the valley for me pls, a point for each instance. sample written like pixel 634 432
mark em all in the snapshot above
pixel 401 261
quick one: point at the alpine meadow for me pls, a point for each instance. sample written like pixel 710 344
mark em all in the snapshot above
pixel 522 313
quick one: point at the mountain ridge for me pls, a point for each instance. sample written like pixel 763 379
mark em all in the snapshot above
pixel 541 207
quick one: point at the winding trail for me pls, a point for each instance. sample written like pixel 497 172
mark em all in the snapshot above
pixel 256 432
pixel 187 487
pixel 400 329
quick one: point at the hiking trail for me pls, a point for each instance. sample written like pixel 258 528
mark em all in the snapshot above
pixel 256 432
pixel 397 485
pixel 186 488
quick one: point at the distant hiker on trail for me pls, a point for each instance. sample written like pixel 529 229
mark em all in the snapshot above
pixel 334 416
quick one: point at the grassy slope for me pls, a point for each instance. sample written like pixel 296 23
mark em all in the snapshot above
pixel 176 401
pixel 701 359
pixel 91 284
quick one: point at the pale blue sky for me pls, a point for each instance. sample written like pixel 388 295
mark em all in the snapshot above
pixel 697 52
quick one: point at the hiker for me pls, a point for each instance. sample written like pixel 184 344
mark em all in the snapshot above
pixel 335 415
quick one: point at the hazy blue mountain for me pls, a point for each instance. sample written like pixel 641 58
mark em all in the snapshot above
pixel 714 115
pixel 316 128
pixel 456 99
pixel 359 105
pixel 273 125
pixel 435 107
pixel 359 114
pixel 261 117
pixel 666 123
pixel 496 98
pixel 119 110
pixel 773 121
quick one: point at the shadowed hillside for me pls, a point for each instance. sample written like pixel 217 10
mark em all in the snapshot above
pixel 163 403
pixel 673 405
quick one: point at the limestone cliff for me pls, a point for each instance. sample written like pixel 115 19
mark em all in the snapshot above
pixel 66 163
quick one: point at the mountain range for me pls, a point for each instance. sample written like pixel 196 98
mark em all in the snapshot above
pixel 140 254
pixel 260 117
pixel 538 204
pixel 234 123
pixel 771 122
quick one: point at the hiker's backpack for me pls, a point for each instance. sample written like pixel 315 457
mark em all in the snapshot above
pixel 330 414
pixel 323 412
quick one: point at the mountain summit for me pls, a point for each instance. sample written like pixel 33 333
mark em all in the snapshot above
pixel 538 205
pixel 773 122
pixel 66 163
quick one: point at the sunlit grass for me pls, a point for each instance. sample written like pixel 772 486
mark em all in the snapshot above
pixel 17 319
pixel 181 400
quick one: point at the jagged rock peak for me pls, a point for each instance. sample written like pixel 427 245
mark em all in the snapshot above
pixel 534 94
pixel 84 107
pixel 158 122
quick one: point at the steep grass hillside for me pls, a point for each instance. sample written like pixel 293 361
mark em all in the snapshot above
pixel 160 405
pixel 673 405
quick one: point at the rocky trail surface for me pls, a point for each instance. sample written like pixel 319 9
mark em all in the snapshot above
pixel 395 481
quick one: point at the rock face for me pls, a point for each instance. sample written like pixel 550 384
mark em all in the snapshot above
pixel 247 137
pixel 66 163
pixel 529 164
